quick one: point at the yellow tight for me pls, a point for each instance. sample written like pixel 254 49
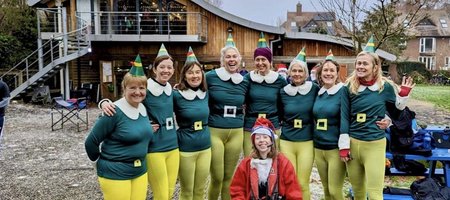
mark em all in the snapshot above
pixel 124 189
pixel 226 147
pixel 366 170
pixel 331 171
pixel 301 155
pixel 194 171
pixel 248 141
pixel 162 173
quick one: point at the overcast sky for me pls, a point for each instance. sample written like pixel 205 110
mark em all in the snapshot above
pixel 265 11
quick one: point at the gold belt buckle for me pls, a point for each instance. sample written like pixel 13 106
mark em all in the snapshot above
pixel 198 126
pixel 261 115
pixel 137 163
pixel 322 124
pixel 361 117
pixel 298 123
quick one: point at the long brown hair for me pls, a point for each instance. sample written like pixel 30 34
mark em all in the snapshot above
pixel 183 84
pixel 319 72
pixel 157 61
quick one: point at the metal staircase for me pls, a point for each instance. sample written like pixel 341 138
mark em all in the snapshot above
pixel 50 57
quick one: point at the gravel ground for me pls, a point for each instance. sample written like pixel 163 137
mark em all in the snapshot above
pixel 37 163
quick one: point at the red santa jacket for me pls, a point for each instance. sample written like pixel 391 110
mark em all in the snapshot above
pixel 245 180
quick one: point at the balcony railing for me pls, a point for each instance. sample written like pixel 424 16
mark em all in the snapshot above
pixel 147 23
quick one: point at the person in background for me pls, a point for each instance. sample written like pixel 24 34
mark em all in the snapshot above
pixel 191 111
pixel 298 123
pixel 163 154
pixel 265 173
pixel 4 102
pixel 226 90
pixel 331 113
pixel 281 70
pixel 121 163
pixel 313 77
pixel 371 96
pixel 262 98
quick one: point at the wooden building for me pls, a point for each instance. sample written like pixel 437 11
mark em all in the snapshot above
pixel 118 30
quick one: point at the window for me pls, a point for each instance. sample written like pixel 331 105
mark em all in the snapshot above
pixel 427 45
pixel 447 63
pixel 329 24
pixel 406 23
pixel 443 23
pixel 429 62
pixel 293 24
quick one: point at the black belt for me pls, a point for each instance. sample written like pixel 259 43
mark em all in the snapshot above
pixel 221 111
pixel 268 115
pixel 192 126
pixel 291 123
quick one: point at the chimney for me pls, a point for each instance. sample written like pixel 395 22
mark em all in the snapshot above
pixel 299 9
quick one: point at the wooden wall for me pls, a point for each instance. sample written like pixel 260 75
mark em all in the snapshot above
pixel 314 48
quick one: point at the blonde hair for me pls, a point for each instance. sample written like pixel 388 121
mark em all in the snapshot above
pixel 128 79
pixel 353 81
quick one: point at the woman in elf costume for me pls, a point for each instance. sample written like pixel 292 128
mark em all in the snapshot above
pixel 331 113
pixel 121 163
pixel 371 97
pixel 191 111
pixel 227 89
pixel 262 98
pixel 163 154
pixel 298 123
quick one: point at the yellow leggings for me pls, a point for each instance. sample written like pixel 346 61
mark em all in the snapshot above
pixel 248 141
pixel 226 148
pixel 194 171
pixel 366 170
pixel 331 171
pixel 301 155
pixel 162 173
pixel 124 189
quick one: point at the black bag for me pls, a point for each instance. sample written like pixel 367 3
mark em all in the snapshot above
pixel 402 135
pixel 429 189
pixel 409 166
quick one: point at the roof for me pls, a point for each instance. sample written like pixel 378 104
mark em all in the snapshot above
pixel 431 23
pixel 238 20
pixel 335 40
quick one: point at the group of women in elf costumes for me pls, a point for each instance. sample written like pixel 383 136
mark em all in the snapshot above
pixel 340 126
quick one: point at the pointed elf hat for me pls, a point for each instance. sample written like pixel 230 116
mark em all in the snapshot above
pixel 191 56
pixel 370 46
pixel 230 41
pixel 262 41
pixel 301 56
pixel 162 51
pixel 330 56
pixel 136 68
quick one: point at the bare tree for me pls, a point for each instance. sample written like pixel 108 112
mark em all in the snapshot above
pixel 381 19
pixel 216 3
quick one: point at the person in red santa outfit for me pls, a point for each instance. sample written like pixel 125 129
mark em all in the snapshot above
pixel 265 173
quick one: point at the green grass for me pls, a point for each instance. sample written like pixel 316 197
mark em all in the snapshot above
pixel 438 95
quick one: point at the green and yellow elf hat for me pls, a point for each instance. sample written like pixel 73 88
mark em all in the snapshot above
pixel 370 46
pixel 301 56
pixel 136 68
pixel 230 41
pixel 162 51
pixel 330 56
pixel 262 41
pixel 191 56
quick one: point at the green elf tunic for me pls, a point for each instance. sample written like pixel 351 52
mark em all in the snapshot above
pixel 226 97
pixel 191 110
pixel 297 103
pixel 331 112
pixel 159 105
pixel 263 98
pixel 368 107
pixel 124 139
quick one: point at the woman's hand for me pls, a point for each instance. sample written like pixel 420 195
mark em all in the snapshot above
pixel 108 108
pixel 383 124
pixel 406 87
pixel 155 127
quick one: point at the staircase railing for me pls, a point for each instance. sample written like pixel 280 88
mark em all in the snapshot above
pixel 29 72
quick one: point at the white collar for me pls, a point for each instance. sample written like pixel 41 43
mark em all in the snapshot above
pixel 270 78
pixel 224 75
pixel 190 94
pixel 332 90
pixel 301 89
pixel 130 111
pixel 373 87
pixel 156 89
